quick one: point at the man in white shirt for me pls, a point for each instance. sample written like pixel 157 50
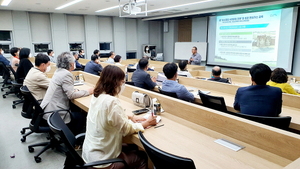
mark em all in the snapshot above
pixel 51 55
pixel 111 58
pixel 183 69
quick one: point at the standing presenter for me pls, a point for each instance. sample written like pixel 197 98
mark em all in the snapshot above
pixel 195 58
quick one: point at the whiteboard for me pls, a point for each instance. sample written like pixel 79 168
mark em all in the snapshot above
pixel 183 50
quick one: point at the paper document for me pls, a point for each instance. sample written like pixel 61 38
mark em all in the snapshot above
pixel 158 118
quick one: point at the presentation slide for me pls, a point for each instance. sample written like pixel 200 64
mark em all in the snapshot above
pixel 242 40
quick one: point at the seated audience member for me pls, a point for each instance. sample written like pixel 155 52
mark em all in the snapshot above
pixel 36 80
pixel 111 58
pixel 96 52
pixel 61 90
pixel 107 124
pixel 117 60
pixel 137 65
pixel 279 79
pixel 216 75
pixel 93 66
pixel 183 69
pixel 24 66
pixel 51 55
pixel 171 85
pixel 2 58
pixel 259 99
pixel 77 64
pixel 14 58
pixel 141 78
pixel 81 53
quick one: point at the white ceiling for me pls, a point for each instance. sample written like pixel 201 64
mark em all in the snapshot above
pixel 88 7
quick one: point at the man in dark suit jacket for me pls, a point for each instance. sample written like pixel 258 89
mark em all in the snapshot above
pixel 141 78
pixel 259 99
pixel 93 66
pixel 216 75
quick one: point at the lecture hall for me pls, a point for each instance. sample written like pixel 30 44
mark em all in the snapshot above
pixel 150 84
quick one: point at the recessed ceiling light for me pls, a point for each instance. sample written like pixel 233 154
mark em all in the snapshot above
pixel 68 4
pixel 5 2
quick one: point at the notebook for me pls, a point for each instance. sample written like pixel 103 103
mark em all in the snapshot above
pixel 161 77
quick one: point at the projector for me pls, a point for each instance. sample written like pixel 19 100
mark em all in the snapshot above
pixel 134 9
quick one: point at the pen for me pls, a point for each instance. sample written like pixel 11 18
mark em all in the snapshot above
pixel 159 126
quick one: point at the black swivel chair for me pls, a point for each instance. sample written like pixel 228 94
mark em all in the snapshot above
pixel 73 159
pixel 171 94
pixel 278 122
pixel 39 125
pixel 213 102
pixel 28 114
pixel 129 83
pixel 162 159
pixel 15 89
pixel 6 83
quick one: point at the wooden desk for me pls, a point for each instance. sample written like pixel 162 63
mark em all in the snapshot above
pixel 83 61
pixel 240 80
pixel 190 130
pixel 104 64
pixel 238 72
pixel 290 105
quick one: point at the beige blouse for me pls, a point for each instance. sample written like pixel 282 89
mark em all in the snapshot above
pixel 107 123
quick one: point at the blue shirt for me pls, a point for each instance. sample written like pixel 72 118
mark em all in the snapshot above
pixel 142 79
pixel 93 68
pixel 180 90
pixel 259 100
pixel 4 60
pixel 197 59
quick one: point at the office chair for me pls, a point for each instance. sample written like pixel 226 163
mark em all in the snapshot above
pixel 213 102
pixel 278 122
pixel 73 159
pixel 28 113
pixel 15 89
pixel 6 76
pixel 129 83
pixel 171 94
pixel 37 125
pixel 162 159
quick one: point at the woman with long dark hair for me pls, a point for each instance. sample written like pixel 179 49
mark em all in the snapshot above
pixel 107 123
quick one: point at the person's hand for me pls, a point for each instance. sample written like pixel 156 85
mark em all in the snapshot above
pixel 192 59
pixel 91 90
pixel 138 119
pixel 153 79
pixel 151 121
